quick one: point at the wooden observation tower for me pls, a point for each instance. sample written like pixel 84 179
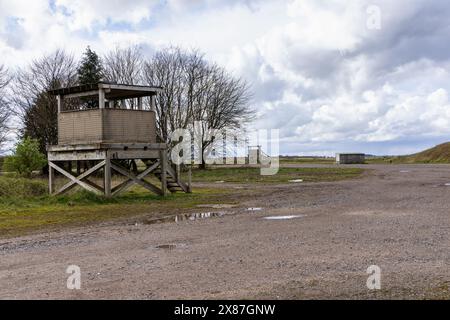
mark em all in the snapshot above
pixel 106 126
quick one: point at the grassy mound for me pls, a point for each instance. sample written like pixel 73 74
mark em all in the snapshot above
pixel 438 154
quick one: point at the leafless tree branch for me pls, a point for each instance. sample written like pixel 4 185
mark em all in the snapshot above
pixel 124 65
pixel 196 90
pixel 30 103
pixel 4 110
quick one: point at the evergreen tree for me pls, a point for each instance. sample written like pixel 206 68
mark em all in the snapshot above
pixel 90 69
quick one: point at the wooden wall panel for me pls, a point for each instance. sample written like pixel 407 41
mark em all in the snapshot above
pixel 106 125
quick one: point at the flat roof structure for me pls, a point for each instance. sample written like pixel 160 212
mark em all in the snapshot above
pixel 113 91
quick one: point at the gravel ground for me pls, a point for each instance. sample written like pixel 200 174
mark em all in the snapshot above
pixel 396 217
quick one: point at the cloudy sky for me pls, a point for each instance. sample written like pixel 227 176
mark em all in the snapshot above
pixel 332 75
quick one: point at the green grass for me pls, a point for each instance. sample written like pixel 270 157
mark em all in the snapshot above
pixel 22 187
pixel 252 175
pixel 21 215
pixel 307 160
pixel 381 160
pixel 25 206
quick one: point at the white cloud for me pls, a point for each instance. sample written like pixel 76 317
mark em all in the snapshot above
pixel 85 14
pixel 317 72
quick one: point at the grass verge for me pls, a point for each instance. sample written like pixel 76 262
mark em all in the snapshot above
pixel 19 216
pixel 252 175
pixel 25 207
pixel 307 160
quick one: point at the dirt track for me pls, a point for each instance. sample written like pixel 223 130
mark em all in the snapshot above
pixel 396 217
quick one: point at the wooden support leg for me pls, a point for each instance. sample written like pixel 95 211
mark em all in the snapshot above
pixel 107 176
pixel 163 156
pixel 51 179
pixel 190 179
pixel 178 173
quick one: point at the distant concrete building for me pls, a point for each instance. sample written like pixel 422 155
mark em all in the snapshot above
pixel 350 158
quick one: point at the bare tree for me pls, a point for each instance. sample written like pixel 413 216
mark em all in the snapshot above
pixel 37 110
pixel 177 72
pixel 195 90
pixel 124 65
pixel 223 104
pixel 4 111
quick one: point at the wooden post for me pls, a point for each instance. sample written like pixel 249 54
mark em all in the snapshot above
pixel 163 157
pixel 190 179
pixel 139 103
pixel 153 103
pixel 107 176
pixel 59 100
pixel 51 179
pixel 178 173
pixel 101 98
pixel 258 155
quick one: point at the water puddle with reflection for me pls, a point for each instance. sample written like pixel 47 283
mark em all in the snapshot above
pixel 285 217
pixel 198 216
pixel 254 209
pixel 185 217
pixel 171 246
pixel 217 206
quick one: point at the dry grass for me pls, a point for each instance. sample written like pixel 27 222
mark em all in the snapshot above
pixel 438 154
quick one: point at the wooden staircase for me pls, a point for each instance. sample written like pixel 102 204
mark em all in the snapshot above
pixel 173 178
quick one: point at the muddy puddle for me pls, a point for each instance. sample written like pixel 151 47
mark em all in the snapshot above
pixel 201 215
pixel 217 206
pixel 185 217
pixel 171 246
pixel 277 218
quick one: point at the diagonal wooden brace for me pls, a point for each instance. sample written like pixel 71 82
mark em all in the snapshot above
pixel 128 183
pixel 78 180
pixel 135 180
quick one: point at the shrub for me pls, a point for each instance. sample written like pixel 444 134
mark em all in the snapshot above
pixel 26 158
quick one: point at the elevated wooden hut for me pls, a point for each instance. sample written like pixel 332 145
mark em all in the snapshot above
pixel 109 124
